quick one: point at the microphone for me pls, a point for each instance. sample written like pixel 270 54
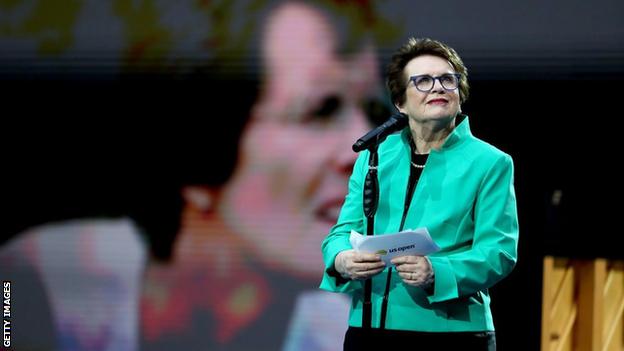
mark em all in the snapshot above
pixel 376 136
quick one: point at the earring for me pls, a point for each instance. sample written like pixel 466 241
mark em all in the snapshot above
pixel 199 197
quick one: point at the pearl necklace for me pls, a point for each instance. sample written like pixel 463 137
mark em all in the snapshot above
pixel 417 165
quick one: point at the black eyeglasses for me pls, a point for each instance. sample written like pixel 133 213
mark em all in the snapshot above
pixel 425 82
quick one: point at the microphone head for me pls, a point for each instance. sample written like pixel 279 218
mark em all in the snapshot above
pixel 357 146
pixel 374 137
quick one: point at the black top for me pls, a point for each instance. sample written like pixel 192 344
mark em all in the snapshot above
pixel 415 172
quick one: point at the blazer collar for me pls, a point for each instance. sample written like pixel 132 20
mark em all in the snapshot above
pixel 460 133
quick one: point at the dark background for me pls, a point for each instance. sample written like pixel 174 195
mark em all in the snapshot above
pixel 546 87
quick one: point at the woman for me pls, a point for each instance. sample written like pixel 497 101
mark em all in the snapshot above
pixel 434 174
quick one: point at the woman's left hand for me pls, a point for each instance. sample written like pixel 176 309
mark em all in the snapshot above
pixel 415 270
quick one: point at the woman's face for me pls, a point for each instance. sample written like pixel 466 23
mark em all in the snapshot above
pixel 296 152
pixel 436 104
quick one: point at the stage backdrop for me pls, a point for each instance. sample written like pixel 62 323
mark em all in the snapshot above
pixel 172 167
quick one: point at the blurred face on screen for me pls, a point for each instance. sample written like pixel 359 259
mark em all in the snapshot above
pixel 296 152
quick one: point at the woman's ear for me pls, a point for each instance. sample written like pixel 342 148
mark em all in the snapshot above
pixel 200 198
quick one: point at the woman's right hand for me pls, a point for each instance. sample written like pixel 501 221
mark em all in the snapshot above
pixel 357 265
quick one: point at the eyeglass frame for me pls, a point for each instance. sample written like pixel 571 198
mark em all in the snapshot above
pixel 413 79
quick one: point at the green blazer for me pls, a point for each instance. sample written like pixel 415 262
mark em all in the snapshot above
pixel 465 198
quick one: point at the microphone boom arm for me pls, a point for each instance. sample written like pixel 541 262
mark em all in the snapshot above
pixel 378 135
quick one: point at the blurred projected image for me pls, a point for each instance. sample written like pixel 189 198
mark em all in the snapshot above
pixel 245 260
pixel 248 250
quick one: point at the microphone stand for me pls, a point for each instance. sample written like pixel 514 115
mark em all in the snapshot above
pixel 370 197
pixel 370 202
